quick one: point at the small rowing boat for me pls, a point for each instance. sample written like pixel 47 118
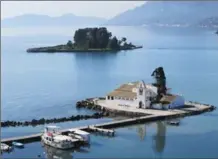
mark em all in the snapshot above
pixel 176 123
pixel 18 144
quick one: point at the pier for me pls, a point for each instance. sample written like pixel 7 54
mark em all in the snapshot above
pixel 101 130
pixel 149 116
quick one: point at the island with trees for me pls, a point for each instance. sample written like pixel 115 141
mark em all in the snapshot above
pixel 90 40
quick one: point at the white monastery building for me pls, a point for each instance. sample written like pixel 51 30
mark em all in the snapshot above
pixel 139 95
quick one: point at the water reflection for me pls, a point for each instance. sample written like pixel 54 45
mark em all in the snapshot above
pixel 53 153
pixel 159 138
pixel 91 68
pixel 141 129
pixel 92 61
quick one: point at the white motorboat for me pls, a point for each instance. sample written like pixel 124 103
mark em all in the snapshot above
pixel 5 147
pixel 79 134
pixel 54 138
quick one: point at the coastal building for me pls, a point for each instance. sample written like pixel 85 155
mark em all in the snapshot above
pixel 139 95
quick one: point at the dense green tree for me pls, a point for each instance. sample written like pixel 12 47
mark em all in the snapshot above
pixel 123 39
pixel 80 38
pixel 70 44
pixel 92 38
pixel 113 43
pixel 96 38
pixel 120 42
pixel 102 37
pixel 160 82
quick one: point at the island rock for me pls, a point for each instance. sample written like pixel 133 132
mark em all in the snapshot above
pixel 90 40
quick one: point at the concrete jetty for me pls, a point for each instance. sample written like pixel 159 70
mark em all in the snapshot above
pixel 22 139
pixel 101 130
pixel 150 115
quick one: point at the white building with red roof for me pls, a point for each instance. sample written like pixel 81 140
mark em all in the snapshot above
pixel 139 95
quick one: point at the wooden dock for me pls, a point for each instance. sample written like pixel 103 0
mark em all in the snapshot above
pixel 154 115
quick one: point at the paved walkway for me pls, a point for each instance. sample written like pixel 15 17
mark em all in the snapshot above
pixel 195 107
pixel 137 110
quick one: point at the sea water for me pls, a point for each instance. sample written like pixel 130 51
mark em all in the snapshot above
pixel 35 86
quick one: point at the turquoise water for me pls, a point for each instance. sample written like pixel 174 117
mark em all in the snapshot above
pixel 48 85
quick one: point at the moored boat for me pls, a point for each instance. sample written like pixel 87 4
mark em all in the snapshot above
pixel 53 137
pixel 80 135
pixel 176 123
pixel 18 144
pixel 5 147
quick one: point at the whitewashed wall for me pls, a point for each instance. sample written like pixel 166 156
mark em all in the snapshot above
pixel 120 102
pixel 152 88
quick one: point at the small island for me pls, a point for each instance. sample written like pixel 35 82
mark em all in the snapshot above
pixel 89 40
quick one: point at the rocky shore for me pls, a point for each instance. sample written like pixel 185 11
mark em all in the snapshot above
pixel 56 49
pixel 43 121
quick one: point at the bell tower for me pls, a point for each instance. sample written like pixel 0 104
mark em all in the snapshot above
pixel 141 95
